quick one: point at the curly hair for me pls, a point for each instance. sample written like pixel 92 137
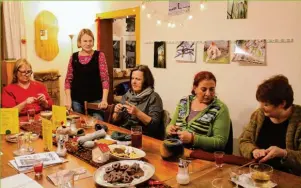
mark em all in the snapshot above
pixel 276 90
pixel 203 75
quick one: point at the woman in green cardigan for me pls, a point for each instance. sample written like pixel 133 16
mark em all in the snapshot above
pixel 201 120
pixel 273 134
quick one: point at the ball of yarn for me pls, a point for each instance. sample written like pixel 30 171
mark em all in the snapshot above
pixel 171 149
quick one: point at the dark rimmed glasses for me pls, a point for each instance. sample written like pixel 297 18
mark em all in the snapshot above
pixel 27 72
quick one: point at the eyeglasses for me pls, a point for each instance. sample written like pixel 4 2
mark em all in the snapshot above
pixel 28 72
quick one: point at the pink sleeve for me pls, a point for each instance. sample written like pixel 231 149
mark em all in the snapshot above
pixel 69 75
pixel 7 98
pixel 103 70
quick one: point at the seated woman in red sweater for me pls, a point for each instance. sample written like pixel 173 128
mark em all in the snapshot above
pixel 24 93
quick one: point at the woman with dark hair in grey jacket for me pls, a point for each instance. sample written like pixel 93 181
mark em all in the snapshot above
pixel 141 105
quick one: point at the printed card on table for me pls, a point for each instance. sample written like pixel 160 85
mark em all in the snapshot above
pixel 9 121
pixel 47 133
pixel 58 115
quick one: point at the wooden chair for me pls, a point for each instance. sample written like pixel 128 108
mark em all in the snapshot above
pixel 108 113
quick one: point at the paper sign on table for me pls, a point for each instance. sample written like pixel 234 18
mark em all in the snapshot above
pixel 58 115
pixel 47 133
pixel 9 120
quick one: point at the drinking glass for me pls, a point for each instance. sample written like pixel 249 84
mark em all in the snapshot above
pixel 30 114
pixel 38 168
pixel 136 134
pixel 219 158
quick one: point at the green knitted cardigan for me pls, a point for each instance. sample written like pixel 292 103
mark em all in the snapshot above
pixel 211 126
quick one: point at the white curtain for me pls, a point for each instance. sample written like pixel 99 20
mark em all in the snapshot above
pixel 14 27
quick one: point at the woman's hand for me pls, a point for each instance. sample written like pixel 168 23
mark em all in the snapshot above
pixel 273 152
pixel 172 129
pixel 42 98
pixel 68 104
pixel 185 136
pixel 132 109
pixel 258 153
pixel 30 100
pixel 103 105
pixel 118 108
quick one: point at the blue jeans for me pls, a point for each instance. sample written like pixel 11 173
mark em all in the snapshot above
pixel 79 107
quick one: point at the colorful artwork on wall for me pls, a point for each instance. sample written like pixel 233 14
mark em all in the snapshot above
pixel 216 51
pixel 252 52
pixel 178 7
pixel 186 51
pixel 160 54
pixel 237 9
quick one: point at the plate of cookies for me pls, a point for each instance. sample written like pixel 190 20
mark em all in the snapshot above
pixel 124 173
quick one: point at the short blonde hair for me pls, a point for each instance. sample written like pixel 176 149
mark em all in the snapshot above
pixel 19 63
pixel 81 34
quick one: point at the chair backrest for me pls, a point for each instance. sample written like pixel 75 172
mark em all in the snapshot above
pixel 166 118
pixel 108 112
pixel 229 145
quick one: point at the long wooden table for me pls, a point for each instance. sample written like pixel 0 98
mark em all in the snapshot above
pixel 164 170
pixel 201 172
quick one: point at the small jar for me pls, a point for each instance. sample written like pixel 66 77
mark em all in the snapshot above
pixel 183 176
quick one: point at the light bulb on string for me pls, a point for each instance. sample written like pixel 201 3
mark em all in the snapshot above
pixel 143 6
pixel 149 16
pixel 169 24
pixel 158 22
pixel 190 17
pixel 202 6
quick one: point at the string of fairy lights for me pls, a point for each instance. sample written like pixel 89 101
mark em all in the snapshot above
pixel 162 19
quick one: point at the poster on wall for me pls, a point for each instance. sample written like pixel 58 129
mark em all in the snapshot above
pixel 250 52
pixel 237 9
pixel 130 48
pixel 217 51
pixel 160 54
pixel 116 53
pixel 178 7
pixel 186 51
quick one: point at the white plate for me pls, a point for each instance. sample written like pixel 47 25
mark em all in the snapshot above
pixel 149 171
pixel 245 181
pixel 140 154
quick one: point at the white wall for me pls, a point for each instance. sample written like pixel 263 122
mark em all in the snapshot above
pixel 236 85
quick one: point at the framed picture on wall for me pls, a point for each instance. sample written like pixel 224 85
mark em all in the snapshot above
pixel 185 51
pixel 217 51
pixel 130 51
pixel 160 54
pixel 116 53
pixel 250 52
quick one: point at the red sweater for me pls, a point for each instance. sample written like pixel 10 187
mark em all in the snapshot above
pixel 13 95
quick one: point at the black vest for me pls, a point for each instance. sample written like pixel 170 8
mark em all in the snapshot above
pixel 86 84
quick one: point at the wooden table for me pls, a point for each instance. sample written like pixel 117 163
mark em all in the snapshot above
pixel 164 170
pixel 201 172
pixel 205 177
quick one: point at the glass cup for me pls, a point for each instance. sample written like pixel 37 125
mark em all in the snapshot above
pixel 219 158
pixel 38 168
pixel 31 114
pixel 261 174
pixel 136 134
pixel 22 144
